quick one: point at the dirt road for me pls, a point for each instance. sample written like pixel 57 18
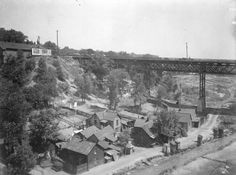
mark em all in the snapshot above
pixel 205 130
pixel 182 159
pixel 220 162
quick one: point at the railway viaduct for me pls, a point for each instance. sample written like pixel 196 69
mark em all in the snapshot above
pixel 182 65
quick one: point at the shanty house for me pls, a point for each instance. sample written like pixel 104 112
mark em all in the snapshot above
pixel 185 120
pixel 93 120
pixel 142 134
pixel 128 119
pixel 88 132
pixel 106 134
pixel 9 48
pixel 81 156
pixel 109 118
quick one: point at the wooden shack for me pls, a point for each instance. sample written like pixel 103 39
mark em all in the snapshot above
pixel 81 156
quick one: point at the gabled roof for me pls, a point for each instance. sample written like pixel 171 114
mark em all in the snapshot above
pixel 184 117
pixel 65 134
pixel 145 125
pixel 149 133
pixel 82 147
pixel 107 115
pixel 16 46
pixel 189 111
pixel 103 144
pixel 129 115
pixel 115 147
pixel 107 132
pixel 89 131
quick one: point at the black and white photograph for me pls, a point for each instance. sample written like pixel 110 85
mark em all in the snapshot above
pixel 117 87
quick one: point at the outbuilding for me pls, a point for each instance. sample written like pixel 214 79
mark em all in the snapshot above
pixel 81 156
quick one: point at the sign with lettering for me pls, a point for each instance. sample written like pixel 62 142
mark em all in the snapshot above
pixel 38 51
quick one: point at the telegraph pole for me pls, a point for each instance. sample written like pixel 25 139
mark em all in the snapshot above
pixel 186 49
pixel 57 44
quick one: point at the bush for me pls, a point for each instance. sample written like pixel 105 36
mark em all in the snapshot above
pixel 30 65
pixel 60 74
pixel 63 87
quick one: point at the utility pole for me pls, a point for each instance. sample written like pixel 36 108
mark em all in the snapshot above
pixel 186 49
pixel 57 44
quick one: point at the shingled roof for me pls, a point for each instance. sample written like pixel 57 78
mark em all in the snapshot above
pixel 107 115
pixel 106 132
pixel 82 147
pixel 184 117
pixel 89 131
pixel 145 125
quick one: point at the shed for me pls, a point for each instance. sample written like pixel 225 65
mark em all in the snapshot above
pixel 106 134
pixel 185 120
pixel 142 134
pixel 81 156
pixel 109 118
pixel 85 134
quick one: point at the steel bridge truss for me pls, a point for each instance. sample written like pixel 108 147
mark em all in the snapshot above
pixel 202 67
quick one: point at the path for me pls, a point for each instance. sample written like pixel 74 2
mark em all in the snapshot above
pixel 214 163
pixel 123 162
pixel 205 130
pixel 184 158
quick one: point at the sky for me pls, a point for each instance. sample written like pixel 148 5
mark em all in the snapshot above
pixel 158 27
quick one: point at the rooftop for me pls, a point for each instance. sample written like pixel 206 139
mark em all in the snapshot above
pixel 107 132
pixel 103 144
pixel 89 131
pixel 129 115
pixel 184 117
pixel 82 147
pixel 145 125
pixel 107 115
pixel 17 46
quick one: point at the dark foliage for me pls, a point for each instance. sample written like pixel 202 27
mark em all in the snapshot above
pixel 52 46
pixel 60 74
pixel 30 65
pixel 13 36
pixel 14 110
pixel 21 161
pixel 14 69
pixel 43 130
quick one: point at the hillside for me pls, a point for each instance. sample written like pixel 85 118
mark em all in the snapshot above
pixel 66 89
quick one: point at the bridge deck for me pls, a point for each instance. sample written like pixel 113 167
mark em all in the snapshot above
pixel 179 60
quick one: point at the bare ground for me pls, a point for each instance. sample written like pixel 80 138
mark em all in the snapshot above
pixel 179 160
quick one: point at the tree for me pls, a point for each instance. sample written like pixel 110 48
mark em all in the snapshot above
pixel 116 83
pixel 43 130
pixel 52 46
pixel 139 92
pixel 21 161
pixel 124 138
pixel 14 69
pixel 165 120
pixel 14 110
pixel 30 65
pixel 45 79
pixel 99 65
pixel 60 74
pixel 84 86
pixel 12 36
